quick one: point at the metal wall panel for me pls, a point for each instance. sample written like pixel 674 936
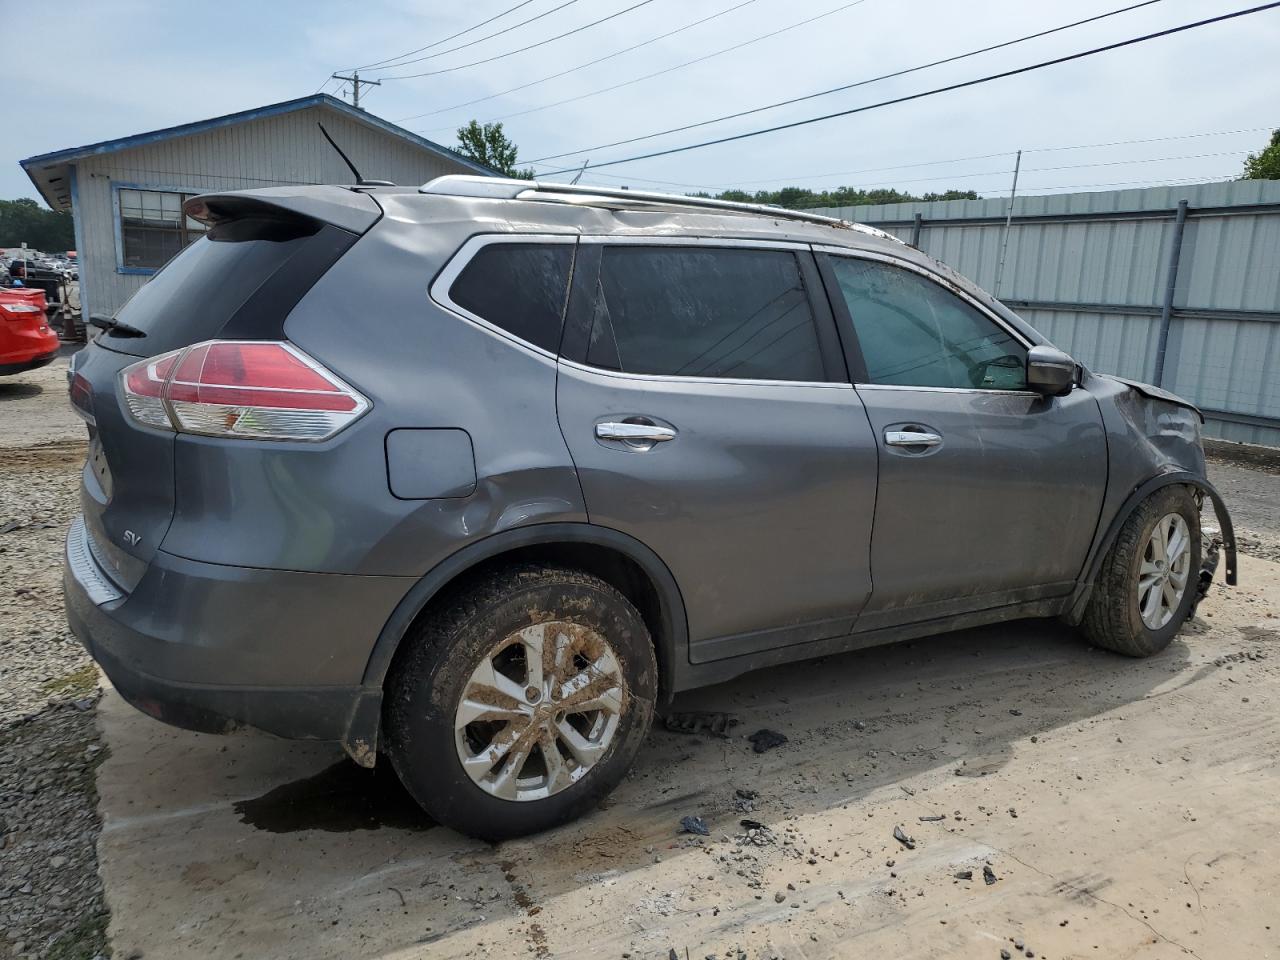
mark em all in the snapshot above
pixel 1091 270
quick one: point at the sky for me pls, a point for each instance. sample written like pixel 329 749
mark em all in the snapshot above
pixel 1201 99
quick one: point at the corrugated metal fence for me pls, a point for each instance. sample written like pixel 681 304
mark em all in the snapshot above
pixel 1091 271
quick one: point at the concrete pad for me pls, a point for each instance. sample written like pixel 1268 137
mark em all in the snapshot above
pixel 1144 792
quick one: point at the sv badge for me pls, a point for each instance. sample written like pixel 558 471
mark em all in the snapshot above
pixel 131 538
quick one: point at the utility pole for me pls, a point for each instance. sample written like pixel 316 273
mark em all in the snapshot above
pixel 355 82
pixel 1008 219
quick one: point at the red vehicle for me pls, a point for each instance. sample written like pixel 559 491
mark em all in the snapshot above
pixel 26 340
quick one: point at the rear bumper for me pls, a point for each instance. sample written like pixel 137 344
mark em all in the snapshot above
pixel 10 365
pixel 210 647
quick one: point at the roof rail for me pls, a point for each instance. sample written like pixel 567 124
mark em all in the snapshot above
pixel 463 185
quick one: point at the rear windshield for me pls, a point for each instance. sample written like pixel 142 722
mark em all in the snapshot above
pixel 197 293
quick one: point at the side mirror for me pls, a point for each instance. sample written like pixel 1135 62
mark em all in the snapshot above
pixel 1050 371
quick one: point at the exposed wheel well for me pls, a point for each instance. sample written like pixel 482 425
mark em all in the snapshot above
pixel 612 566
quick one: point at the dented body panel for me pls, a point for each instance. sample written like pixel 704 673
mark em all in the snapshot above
pixel 778 527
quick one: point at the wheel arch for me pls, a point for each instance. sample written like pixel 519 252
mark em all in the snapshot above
pixel 616 557
pixel 1084 588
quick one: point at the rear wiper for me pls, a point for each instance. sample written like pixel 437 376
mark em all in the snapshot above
pixel 117 327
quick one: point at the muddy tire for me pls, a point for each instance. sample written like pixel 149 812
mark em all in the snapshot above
pixel 1146 585
pixel 520 702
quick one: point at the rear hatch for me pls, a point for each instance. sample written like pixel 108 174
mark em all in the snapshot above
pixel 265 249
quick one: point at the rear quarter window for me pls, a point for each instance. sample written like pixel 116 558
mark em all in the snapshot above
pixel 518 287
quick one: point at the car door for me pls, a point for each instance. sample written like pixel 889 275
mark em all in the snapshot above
pixel 703 396
pixel 989 493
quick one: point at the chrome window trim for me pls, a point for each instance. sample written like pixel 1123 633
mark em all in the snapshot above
pixel 932 276
pixel 905 386
pixel 651 240
pixel 670 378
pixel 438 291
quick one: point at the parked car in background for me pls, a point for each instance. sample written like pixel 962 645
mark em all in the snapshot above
pixel 600 447
pixel 26 340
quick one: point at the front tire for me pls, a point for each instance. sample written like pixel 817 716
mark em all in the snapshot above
pixel 520 703
pixel 1147 583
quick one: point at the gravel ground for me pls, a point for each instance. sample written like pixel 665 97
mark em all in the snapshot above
pixel 51 897
pixel 1253 496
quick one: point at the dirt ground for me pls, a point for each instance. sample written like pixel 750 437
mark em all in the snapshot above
pixel 1124 808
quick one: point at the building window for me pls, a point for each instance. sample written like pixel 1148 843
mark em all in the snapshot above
pixel 153 228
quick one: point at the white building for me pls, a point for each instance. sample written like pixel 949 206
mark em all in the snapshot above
pixel 126 195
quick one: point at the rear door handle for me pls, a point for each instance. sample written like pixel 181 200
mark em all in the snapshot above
pixel 911 438
pixel 635 432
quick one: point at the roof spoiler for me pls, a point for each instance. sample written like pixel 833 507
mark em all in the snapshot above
pixel 348 209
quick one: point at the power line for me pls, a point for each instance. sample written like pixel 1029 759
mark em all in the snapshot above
pixel 482 23
pixel 472 43
pixel 1129 183
pixel 1117 163
pixel 678 66
pixel 531 46
pixel 889 184
pixel 979 156
pixel 944 89
pixel 859 83
pixel 581 66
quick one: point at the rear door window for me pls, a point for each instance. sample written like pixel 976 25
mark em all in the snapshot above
pixel 518 287
pixel 698 311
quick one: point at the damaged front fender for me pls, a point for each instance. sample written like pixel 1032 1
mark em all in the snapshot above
pixel 1153 441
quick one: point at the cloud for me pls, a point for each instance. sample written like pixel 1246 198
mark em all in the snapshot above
pixel 125 69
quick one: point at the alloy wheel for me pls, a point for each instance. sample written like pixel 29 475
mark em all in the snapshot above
pixel 539 711
pixel 1164 571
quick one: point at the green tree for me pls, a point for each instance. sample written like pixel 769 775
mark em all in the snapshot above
pixel 25 221
pixel 802 198
pixel 487 144
pixel 1265 164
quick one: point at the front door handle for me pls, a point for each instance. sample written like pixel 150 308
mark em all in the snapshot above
pixel 911 438
pixel 636 433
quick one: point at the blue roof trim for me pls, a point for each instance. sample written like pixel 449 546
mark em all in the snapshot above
pixel 275 109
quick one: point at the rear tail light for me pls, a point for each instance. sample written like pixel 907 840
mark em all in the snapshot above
pixel 251 389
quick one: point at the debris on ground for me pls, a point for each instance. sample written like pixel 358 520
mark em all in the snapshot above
pixel 694 825
pixel 934 819
pixel 963 874
pixel 988 875
pixel 714 722
pixel 766 739
pixel 900 835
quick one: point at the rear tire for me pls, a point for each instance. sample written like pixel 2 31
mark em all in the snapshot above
pixel 1141 597
pixel 561 728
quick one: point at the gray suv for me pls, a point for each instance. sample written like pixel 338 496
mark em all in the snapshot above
pixel 474 477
